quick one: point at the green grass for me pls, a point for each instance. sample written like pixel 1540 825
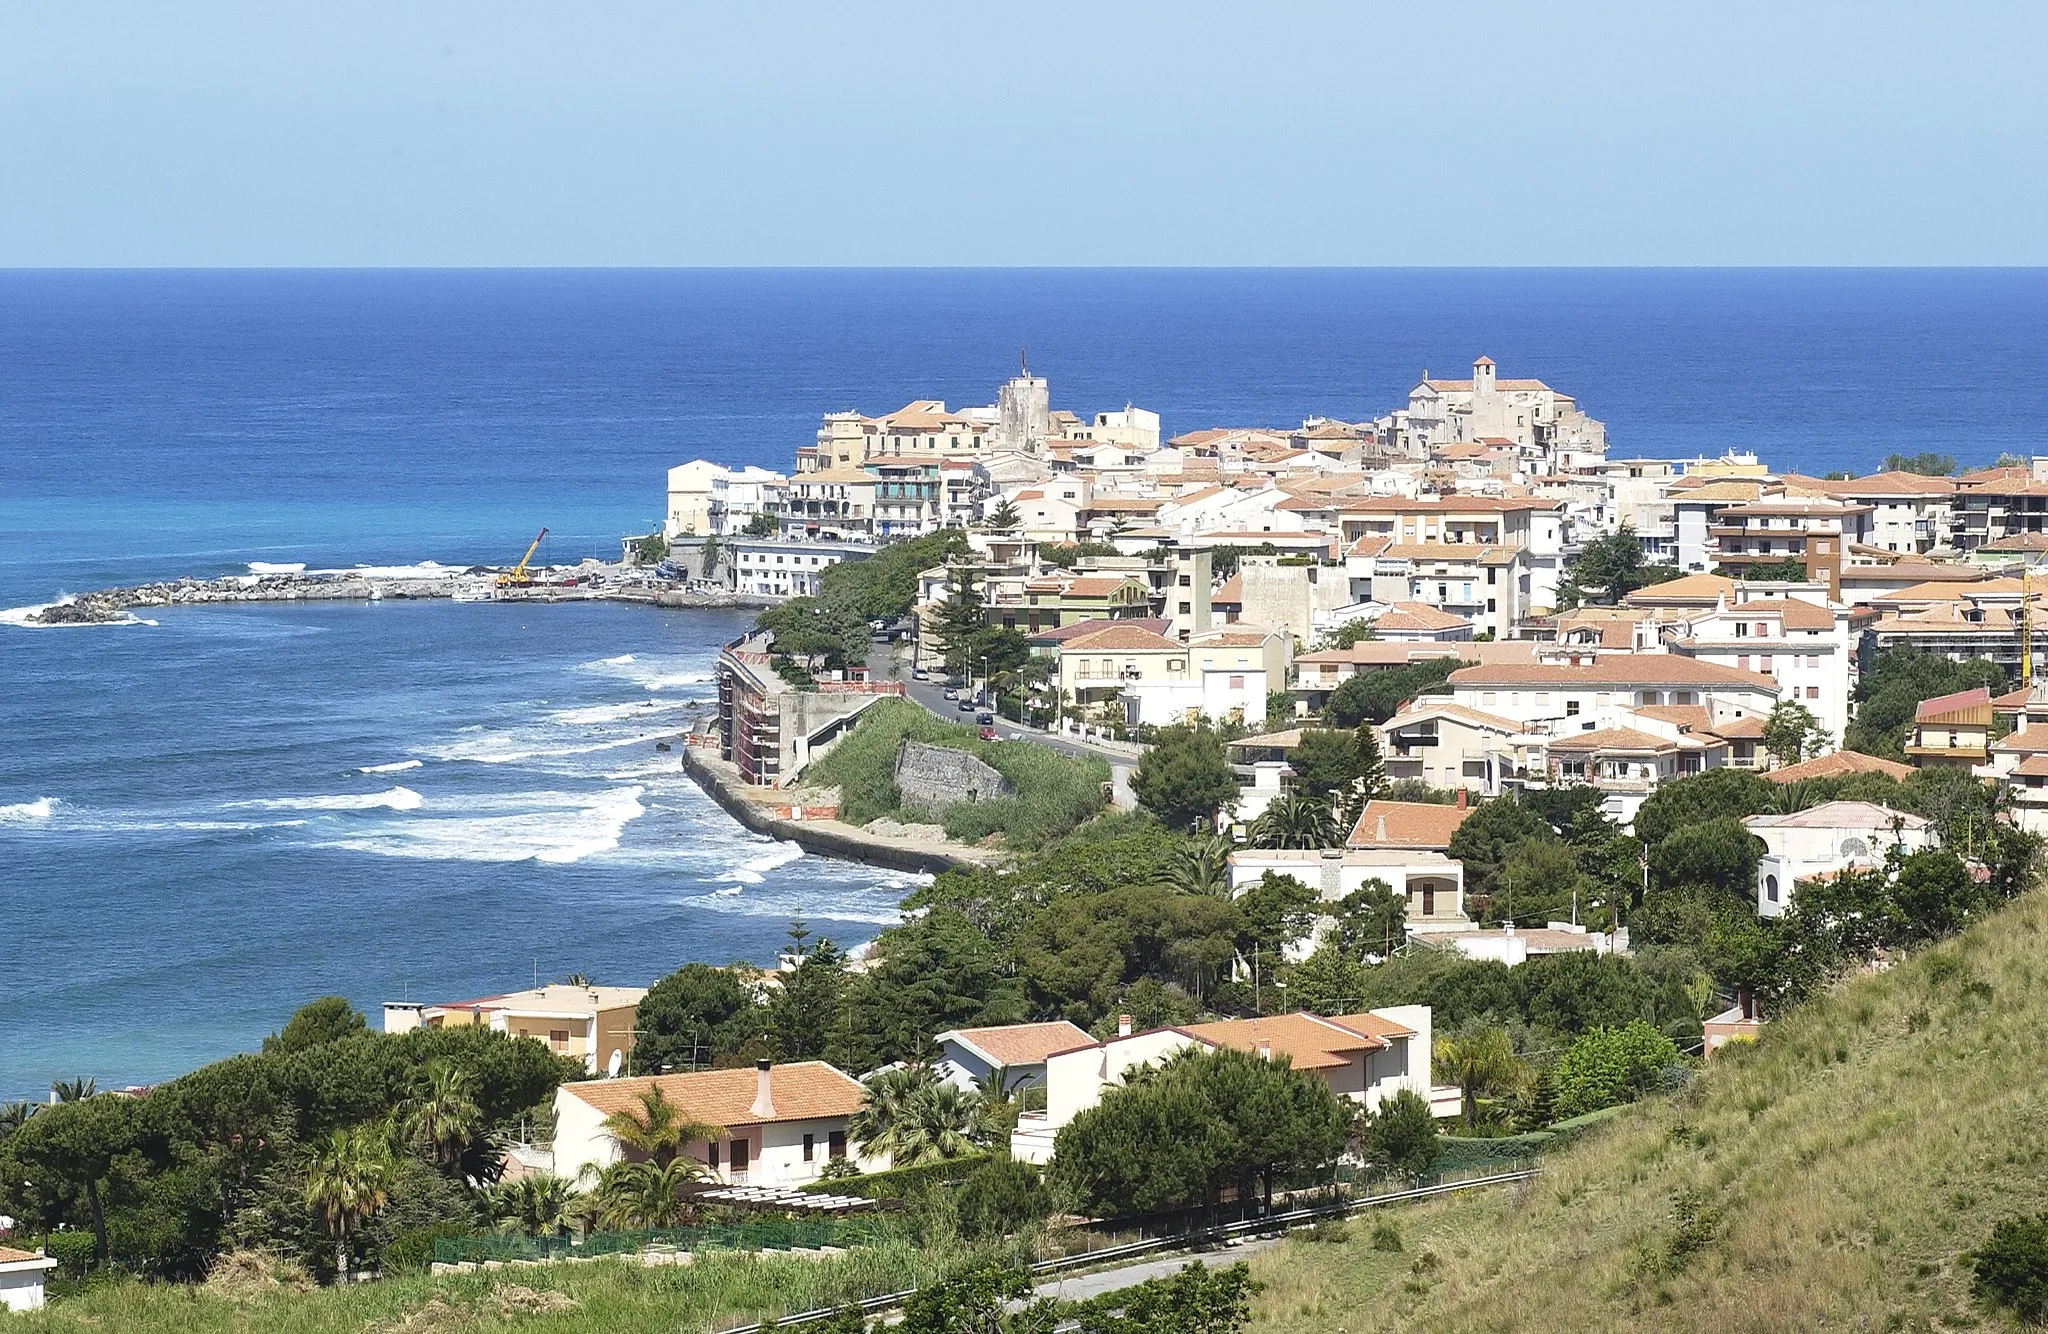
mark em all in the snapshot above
pixel 1831 1177
pixel 608 1295
pixel 1055 793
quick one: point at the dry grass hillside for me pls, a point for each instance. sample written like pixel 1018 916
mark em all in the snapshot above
pixel 1829 1178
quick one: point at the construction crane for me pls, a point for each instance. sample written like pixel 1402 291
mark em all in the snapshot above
pixel 517 575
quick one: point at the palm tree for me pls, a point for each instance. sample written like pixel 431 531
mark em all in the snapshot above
pixel 540 1205
pixel 657 1128
pixel 74 1090
pixel 884 1112
pixel 645 1194
pixel 1202 867
pixel 348 1179
pixel 1000 1103
pixel 945 1120
pixel 576 980
pixel 1296 820
pixel 1481 1062
pixel 15 1115
pixel 443 1119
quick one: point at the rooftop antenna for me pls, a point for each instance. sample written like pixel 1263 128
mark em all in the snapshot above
pixel 1024 362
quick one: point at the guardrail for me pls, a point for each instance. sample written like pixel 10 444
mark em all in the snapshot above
pixel 1277 1222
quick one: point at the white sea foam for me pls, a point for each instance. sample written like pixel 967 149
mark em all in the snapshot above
pixel 655 675
pixel 25 617
pixel 597 714
pixel 555 828
pixel 426 569
pixel 754 871
pixel 277 567
pixel 395 767
pixel 397 799
pixel 520 747
pixel 29 812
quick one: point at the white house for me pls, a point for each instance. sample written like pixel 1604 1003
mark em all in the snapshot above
pixel 1827 839
pixel 1801 641
pixel 1363 1057
pixel 21 1278
pixel 784 567
pixel 781 1123
pixel 967 1056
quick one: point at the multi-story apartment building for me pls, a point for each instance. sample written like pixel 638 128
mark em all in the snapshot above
pixel 1489 559
pixel 1568 699
pixel 1815 533
pixel 1806 647
pixel 781 567
pixel 2000 503
pixel 709 499
pixel 1909 514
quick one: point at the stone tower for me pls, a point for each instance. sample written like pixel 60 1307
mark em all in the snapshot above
pixel 1023 413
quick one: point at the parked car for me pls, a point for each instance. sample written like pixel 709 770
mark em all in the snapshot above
pixel 951 693
pixel 985 718
pixel 988 733
pixel 920 674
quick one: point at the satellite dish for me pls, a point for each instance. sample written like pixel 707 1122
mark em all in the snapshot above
pixel 612 1070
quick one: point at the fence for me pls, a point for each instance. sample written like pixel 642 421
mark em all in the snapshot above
pixel 1118 1246
pixel 768 1234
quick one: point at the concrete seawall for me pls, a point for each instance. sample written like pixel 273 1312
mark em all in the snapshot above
pixel 826 838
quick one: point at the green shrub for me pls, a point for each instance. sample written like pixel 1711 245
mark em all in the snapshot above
pixel 71 1250
pixel 1000 1197
pixel 2011 1268
pixel 412 1251
pixel 898 1182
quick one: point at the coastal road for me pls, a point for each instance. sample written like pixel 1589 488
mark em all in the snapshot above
pixel 1080 1287
pixel 931 694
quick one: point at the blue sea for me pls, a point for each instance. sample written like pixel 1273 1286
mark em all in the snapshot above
pixel 206 820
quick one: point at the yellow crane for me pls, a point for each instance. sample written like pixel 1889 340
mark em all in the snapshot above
pixel 517 575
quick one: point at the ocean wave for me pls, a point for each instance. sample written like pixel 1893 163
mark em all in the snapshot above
pixel 25 617
pixel 754 871
pixel 395 767
pixel 29 812
pixel 277 567
pixel 426 569
pixel 656 675
pixel 397 799
pixel 519 747
pixel 597 714
pixel 556 829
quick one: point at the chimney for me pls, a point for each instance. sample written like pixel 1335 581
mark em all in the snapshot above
pixel 1461 798
pixel 1123 1025
pixel 764 1096
pixel 1380 830
pixel 1265 1050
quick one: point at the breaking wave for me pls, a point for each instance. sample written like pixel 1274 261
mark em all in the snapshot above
pixel 397 799
pixel 553 828
pixel 395 767
pixel 28 812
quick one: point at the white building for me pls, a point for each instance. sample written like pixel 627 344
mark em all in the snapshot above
pixel 706 498
pixel 969 1057
pixel 1799 640
pixel 1827 839
pixel 21 1278
pixel 1527 414
pixel 1363 1057
pixel 780 1124
pixel 1570 698
pixel 783 567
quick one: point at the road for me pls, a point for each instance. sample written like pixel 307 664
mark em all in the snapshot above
pixel 1080 1287
pixel 931 694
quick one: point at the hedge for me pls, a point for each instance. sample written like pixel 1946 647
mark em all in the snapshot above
pixel 898 1182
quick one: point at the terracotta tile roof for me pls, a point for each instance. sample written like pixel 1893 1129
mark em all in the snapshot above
pixel 1021 1044
pixel 1419 616
pixel 1373 1025
pixel 2033 741
pixel 803 1091
pixel 1448 505
pixel 1122 639
pixel 1067 633
pixel 1949 708
pixel 1406 824
pixel 10 1256
pixel 1839 764
pixel 1419 710
pixel 1231 591
pixel 2013 700
pixel 1693 717
pixel 1739 729
pixel 2034 766
pixel 1891 484
pixel 1690 588
pixel 1926 571
pixel 1613 738
pixel 1096 585
pixel 1309 1042
pixel 1229 639
pixel 1614 669
pixel 1724 492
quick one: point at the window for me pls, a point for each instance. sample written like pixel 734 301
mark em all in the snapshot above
pixel 1571 708
pixel 1237 683
pixel 1762 631
pixel 1767 662
pixel 1813 692
pixel 739 1155
pixel 835 1145
pixel 810 1147
pixel 1771 888
pixel 711 1156
pixel 1742 661
pixel 558 1038
pixel 1429 900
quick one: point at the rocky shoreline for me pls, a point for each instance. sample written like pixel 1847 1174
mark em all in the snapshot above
pixel 115 606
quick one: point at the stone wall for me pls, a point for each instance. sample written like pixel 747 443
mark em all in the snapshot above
pixel 934 777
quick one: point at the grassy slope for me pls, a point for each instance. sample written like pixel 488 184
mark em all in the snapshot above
pixel 609 1295
pixel 1845 1164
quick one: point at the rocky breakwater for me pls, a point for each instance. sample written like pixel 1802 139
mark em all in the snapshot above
pixel 113 606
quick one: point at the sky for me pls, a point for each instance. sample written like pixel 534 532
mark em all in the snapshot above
pixel 506 133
